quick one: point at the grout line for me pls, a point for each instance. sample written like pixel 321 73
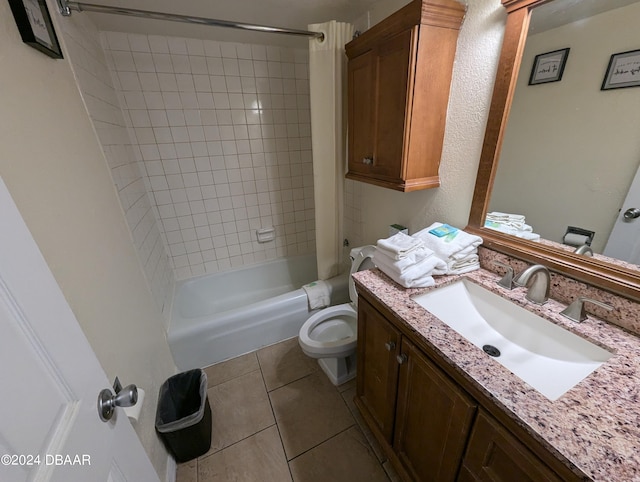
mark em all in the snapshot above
pixel 284 451
pixel 324 441
pixel 235 443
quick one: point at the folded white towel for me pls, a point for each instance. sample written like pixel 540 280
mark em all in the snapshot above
pixel 408 275
pixel 470 263
pixel 425 281
pixel 515 221
pixel 498 216
pixel 399 245
pixel 529 236
pixel 318 293
pixel 526 232
pixel 451 247
pixel 416 256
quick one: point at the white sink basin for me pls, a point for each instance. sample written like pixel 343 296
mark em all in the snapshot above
pixel 549 358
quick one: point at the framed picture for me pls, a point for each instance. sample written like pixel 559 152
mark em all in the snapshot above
pixel 548 67
pixel 623 71
pixel 34 24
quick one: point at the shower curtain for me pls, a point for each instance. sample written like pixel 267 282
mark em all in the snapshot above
pixel 328 74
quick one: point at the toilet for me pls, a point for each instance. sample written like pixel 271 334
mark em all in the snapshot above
pixel 330 334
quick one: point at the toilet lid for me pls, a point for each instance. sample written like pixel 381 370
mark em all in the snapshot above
pixel 361 262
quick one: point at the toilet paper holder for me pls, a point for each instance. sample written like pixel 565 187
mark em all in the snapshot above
pixel 573 230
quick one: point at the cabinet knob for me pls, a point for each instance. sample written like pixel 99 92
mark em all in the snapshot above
pixel 390 345
pixel 401 358
pixel 367 160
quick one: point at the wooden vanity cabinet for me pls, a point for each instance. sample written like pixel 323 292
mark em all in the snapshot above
pixel 377 378
pixel 494 455
pixel 431 425
pixel 433 419
pixel 399 76
pixel 412 405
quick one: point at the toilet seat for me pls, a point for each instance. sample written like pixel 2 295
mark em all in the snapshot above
pixel 335 321
pixel 321 336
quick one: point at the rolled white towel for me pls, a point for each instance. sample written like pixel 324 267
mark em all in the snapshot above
pixel 318 293
pixel 451 247
pixel 399 245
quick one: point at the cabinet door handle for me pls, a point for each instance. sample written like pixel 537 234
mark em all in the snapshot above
pixel 402 358
pixel 390 345
pixel 367 160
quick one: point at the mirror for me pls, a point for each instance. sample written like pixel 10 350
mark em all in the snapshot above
pixel 571 150
pixel 582 180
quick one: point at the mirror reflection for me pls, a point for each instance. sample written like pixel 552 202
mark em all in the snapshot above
pixel 571 150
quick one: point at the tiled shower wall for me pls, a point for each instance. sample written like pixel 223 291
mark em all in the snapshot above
pixel 223 135
pixel 90 68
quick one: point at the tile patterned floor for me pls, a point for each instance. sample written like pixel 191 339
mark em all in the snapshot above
pixel 277 417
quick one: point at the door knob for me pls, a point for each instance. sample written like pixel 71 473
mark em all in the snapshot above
pixel 367 160
pixel 390 345
pixel 107 401
pixel 401 358
pixel 632 213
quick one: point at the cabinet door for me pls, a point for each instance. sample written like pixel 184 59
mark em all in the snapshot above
pixel 361 111
pixel 494 454
pixel 378 345
pixel 433 419
pixel 393 63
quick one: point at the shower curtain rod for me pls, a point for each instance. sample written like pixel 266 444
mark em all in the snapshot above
pixel 66 8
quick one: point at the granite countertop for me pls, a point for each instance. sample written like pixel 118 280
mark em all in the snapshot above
pixel 595 426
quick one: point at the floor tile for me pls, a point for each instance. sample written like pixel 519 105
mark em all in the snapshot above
pixel 187 472
pixel 230 369
pixel 346 457
pixel 308 412
pixel 258 458
pixel 284 363
pixel 239 408
pixel 348 396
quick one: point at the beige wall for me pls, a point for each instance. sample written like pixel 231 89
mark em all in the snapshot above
pixel 53 166
pixel 571 150
pixel 372 209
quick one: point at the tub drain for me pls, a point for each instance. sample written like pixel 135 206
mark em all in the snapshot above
pixel 491 350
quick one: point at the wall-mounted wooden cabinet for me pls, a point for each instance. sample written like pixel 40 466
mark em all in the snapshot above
pixel 399 76
pixel 432 426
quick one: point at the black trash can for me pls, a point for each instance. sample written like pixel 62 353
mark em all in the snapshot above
pixel 183 417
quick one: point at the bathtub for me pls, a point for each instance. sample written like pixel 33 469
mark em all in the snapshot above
pixel 223 315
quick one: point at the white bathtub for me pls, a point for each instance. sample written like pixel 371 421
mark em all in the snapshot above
pixel 227 314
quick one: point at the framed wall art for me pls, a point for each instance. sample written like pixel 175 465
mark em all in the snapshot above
pixel 623 71
pixel 548 67
pixel 34 23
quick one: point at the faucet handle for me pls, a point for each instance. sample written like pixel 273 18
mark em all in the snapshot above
pixel 507 279
pixel 576 312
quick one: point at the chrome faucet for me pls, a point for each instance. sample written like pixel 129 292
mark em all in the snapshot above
pixel 537 279
pixel 584 249
pixel 576 312
pixel 507 279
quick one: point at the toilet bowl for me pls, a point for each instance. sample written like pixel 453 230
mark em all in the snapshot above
pixel 330 335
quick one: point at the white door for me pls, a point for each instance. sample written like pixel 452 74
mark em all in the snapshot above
pixel 624 241
pixel 50 378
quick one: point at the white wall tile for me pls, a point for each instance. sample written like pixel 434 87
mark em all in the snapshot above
pixel 224 130
pixel 99 73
